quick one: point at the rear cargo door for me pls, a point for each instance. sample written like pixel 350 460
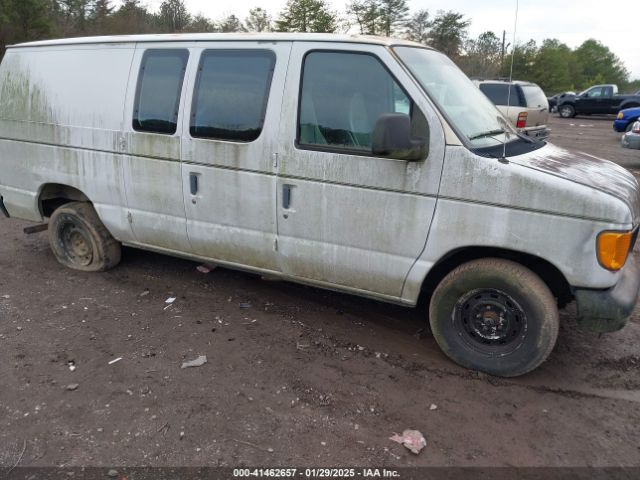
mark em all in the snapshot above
pixel 151 140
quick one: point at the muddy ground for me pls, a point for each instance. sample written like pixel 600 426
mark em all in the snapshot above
pixel 295 375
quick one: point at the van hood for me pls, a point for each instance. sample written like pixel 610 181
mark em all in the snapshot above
pixel 588 170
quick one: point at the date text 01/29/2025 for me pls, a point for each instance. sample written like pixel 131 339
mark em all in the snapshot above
pixel 315 473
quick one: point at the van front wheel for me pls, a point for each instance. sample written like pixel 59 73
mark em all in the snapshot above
pixel 79 239
pixel 495 316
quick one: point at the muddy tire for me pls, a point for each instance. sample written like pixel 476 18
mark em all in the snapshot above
pixel 80 241
pixel 567 111
pixel 495 316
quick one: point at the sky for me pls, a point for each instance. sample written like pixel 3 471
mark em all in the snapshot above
pixel 570 21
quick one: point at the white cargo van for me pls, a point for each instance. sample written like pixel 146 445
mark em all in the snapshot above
pixel 366 165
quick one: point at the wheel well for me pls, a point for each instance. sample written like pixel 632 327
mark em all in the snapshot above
pixel 549 274
pixel 54 195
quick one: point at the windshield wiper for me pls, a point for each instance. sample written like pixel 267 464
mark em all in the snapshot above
pixel 490 133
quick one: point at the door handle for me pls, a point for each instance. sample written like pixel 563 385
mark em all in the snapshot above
pixel 286 196
pixel 193 183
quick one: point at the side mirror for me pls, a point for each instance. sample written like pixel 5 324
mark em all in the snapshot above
pixel 392 138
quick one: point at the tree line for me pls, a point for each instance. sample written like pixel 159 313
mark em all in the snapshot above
pixel 552 64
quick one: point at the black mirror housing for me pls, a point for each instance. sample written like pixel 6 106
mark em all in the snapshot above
pixel 392 138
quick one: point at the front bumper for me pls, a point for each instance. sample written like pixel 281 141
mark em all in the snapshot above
pixel 609 310
pixel 620 125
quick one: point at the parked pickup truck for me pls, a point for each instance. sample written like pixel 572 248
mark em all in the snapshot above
pixel 600 99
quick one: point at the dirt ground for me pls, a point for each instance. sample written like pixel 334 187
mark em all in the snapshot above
pixel 295 376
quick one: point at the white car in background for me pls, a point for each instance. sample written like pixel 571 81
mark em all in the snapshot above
pixel 631 139
pixel 523 103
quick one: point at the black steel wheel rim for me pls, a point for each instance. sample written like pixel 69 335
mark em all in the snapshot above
pixel 75 242
pixel 490 322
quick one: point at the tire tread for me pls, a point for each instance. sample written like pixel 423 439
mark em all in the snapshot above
pixel 109 249
pixel 514 271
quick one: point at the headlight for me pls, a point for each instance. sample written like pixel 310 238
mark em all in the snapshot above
pixel 613 249
pixel 620 116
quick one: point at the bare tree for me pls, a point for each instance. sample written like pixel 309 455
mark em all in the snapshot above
pixel 73 15
pixel 201 24
pixel 393 13
pixel 173 16
pixel 418 26
pixel 132 17
pixel 99 16
pixel 231 24
pixel 482 56
pixel 258 20
pixel 366 14
pixel 448 33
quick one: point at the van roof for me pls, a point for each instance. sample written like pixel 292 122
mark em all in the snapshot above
pixel 211 37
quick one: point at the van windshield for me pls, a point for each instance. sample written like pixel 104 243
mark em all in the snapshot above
pixel 470 112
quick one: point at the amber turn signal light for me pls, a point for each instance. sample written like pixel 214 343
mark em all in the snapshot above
pixel 613 249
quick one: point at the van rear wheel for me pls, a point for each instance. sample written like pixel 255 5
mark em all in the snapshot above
pixel 495 316
pixel 79 239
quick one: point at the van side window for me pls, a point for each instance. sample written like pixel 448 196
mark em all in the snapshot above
pixel 231 93
pixel 158 92
pixel 342 97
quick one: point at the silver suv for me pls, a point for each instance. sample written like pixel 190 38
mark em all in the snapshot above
pixel 526 106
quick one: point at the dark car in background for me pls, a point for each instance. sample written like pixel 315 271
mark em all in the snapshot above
pixel 558 98
pixel 626 118
pixel 599 99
